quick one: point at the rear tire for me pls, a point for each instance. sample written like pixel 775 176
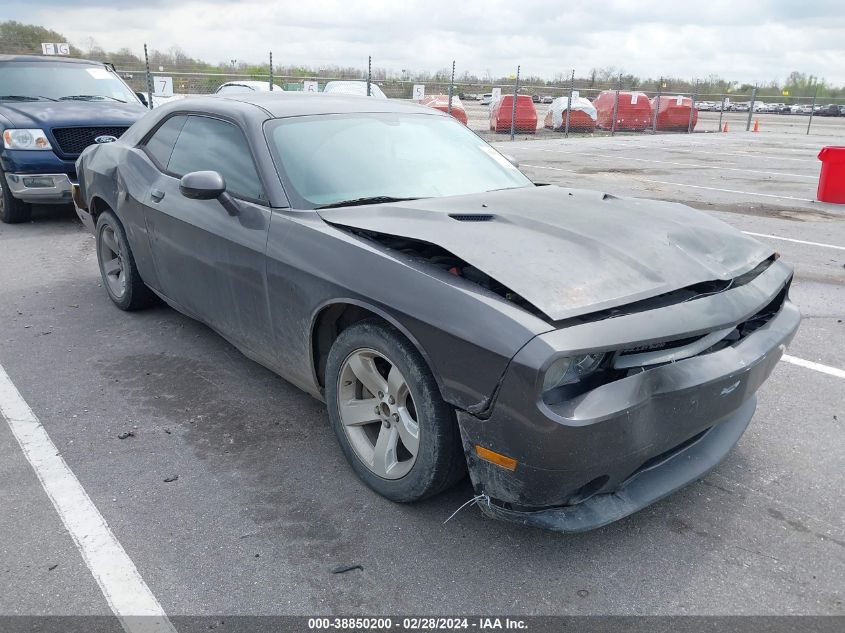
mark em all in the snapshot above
pixel 398 434
pixel 120 275
pixel 12 210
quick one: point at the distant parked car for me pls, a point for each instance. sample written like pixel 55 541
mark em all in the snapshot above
pixel 502 110
pixel 535 98
pixel 233 87
pixel 547 99
pixel 674 113
pixel 487 98
pixel 632 110
pixel 353 88
pixel 441 102
pixel 831 109
pixel 582 115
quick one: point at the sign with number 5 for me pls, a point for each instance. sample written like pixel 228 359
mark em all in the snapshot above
pixel 163 86
pixel 419 92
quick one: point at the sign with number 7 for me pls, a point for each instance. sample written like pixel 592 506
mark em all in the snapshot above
pixel 162 86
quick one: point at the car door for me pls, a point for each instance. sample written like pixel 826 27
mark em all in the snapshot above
pixel 209 262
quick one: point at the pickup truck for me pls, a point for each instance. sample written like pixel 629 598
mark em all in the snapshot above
pixel 52 108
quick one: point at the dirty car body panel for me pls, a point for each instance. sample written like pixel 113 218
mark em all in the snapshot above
pixel 681 316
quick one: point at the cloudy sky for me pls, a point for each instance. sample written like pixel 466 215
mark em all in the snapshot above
pixel 749 41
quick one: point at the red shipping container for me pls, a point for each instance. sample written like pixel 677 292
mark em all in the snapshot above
pixel 441 102
pixel 832 178
pixel 633 113
pixel 673 113
pixel 526 115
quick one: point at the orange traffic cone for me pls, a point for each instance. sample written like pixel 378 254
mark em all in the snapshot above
pixel 756 125
pixel 726 127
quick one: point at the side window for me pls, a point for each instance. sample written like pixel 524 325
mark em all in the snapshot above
pixel 211 144
pixel 160 145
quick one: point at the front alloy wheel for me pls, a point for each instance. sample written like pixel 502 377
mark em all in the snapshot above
pixel 386 410
pixel 378 413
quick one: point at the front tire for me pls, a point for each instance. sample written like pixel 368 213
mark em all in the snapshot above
pixel 120 275
pixel 396 431
pixel 12 210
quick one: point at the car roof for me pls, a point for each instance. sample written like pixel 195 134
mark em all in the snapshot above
pixel 248 82
pixel 48 58
pixel 285 104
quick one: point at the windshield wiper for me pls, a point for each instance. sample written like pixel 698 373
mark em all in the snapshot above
pixel 89 98
pixel 24 98
pixel 356 202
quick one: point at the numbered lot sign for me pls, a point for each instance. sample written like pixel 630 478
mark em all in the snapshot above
pixel 419 92
pixel 163 86
pixel 309 85
pixel 634 98
pixel 48 48
pixel 497 94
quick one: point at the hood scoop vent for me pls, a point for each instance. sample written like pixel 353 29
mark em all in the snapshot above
pixel 471 217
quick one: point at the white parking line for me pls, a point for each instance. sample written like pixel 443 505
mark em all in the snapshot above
pixel 825 369
pixel 123 588
pixel 678 164
pixel 789 239
pixel 742 193
pixel 680 184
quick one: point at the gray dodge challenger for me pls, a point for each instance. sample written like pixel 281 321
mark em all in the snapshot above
pixel 582 355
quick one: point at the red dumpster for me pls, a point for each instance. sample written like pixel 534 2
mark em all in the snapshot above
pixel 526 115
pixel 633 113
pixel 832 178
pixel 673 113
pixel 441 102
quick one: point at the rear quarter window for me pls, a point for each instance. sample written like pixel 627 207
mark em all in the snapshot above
pixel 161 143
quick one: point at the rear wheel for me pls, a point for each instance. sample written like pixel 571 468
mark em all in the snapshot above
pixel 12 210
pixel 117 266
pixel 396 431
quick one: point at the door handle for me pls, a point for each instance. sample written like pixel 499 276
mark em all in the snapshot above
pixel 156 195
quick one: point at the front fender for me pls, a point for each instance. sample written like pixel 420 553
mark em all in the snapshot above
pixel 467 335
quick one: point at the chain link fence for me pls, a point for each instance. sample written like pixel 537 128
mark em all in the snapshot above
pixel 599 102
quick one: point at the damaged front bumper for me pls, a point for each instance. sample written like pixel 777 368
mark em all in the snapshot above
pixel 621 446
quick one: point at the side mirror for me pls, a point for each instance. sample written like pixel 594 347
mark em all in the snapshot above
pixel 143 99
pixel 512 160
pixel 207 185
pixel 202 185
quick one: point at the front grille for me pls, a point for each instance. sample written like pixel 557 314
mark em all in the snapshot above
pixel 72 140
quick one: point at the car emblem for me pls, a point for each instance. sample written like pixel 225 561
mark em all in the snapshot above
pixel 105 138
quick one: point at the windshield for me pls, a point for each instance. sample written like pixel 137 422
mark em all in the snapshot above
pixel 62 81
pixel 332 158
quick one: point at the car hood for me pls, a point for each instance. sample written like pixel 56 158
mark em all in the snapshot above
pixel 569 252
pixel 50 114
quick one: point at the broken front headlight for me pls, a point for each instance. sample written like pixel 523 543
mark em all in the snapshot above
pixel 571 369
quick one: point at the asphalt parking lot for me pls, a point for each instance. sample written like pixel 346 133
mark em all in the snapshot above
pixel 265 506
